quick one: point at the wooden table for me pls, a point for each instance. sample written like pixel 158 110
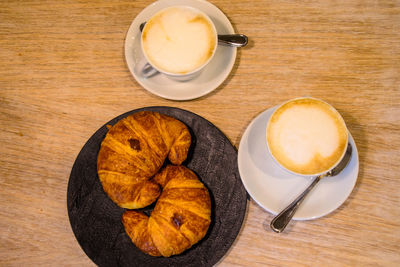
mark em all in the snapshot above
pixel 63 75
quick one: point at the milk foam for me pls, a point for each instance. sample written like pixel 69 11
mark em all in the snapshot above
pixel 178 40
pixel 307 137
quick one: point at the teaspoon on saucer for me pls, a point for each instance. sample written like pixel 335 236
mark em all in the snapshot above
pixel 279 223
pixel 235 40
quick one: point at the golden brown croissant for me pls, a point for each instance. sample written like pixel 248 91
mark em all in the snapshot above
pixel 134 150
pixel 180 218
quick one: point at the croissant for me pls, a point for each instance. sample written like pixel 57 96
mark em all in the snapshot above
pixel 180 218
pixel 134 150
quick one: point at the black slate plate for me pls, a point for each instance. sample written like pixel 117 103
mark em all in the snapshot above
pixel 96 220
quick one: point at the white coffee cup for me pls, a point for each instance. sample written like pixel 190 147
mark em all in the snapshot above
pixel 179 42
pixel 306 136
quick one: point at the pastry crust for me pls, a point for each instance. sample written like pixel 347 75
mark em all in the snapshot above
pixel 134 150
pixel 180 219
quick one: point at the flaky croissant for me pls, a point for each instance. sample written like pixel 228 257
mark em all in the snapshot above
pixel 180 219
pixel 134 150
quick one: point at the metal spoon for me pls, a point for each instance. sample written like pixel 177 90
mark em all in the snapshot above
pixel 279 223
pixel 235 40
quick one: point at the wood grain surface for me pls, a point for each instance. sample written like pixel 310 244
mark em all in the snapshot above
pixel 63 75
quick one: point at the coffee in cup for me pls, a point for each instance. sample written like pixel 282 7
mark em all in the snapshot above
pixel 179 41
pixel 307 136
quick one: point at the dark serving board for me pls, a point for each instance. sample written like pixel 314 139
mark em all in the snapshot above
pixel 96 220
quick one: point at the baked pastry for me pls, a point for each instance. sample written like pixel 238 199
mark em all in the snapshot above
pixel 180 218
pixel 134 150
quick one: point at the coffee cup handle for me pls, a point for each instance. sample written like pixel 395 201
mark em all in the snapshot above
pixel 148 71
pixel 145 70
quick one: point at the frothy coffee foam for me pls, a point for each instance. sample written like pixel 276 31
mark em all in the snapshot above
pixel 307 136
pixel 178 40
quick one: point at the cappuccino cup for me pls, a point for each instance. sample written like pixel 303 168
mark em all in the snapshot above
pixel 179 42
pixel 306 136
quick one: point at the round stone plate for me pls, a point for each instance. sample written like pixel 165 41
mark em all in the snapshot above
pixel 96 220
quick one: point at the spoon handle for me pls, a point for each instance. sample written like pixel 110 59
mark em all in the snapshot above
pixel 236 40
pixel 279 223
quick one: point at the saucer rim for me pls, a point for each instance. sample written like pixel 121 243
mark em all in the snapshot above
pixel 222 75
pixel 245 180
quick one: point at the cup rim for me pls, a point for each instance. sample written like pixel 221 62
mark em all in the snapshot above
pixel 313 174
pixel 199 68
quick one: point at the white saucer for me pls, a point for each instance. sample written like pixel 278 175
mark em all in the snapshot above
pixel 209 79
pixel 273 188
